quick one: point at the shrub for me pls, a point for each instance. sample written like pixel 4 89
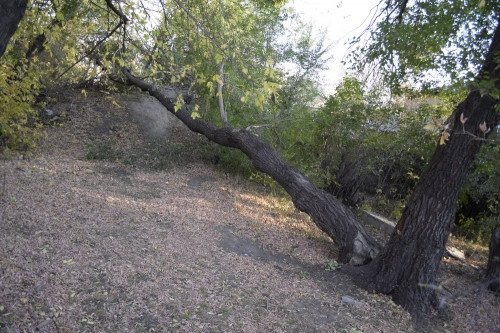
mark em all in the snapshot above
pixel 102 150
pixel 19 127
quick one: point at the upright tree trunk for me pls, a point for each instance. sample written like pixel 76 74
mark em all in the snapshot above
pixel 493 268
pixel 407 267
pixel 356 246
pixel 11 13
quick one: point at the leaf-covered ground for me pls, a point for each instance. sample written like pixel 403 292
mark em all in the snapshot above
pixel 106 229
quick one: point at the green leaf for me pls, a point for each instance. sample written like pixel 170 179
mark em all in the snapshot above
pixel 217 79
pixel 219 57
pixel 178 103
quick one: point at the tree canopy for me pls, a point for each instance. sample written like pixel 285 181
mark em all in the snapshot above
pixel 427 43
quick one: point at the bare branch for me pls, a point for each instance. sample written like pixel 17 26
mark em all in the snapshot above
pixel 118 12
pixel 402 9
pixel 257 126
pixel 220 83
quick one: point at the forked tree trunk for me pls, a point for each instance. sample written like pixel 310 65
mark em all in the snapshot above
pixel 407 267
pixel 356 246
pixel 11 13
pixel 493 268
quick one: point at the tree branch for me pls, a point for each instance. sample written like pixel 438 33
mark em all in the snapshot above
pixel 356 246
pixel 402 9
pixel 118 12
pixel 220 83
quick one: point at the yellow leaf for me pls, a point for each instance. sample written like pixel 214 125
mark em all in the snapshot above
pixel 484 128
pixel 444 137
pixel 244 70
pixel 431 127
pixel 482 3
pixel 178 103
pixel 195 115
pixel 217 79
pixel 177 107
pixel 68 262
pixel 116 104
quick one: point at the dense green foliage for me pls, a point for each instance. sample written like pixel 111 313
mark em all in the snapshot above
pixel 17 111
pixel 479 203
pixel 439 45
pixel 268 79
pixel 373 146
pixel 56 43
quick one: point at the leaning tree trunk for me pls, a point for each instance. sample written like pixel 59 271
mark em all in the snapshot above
pixel 11 13
pixel 407 267
pixel 493 268
pixel 356 246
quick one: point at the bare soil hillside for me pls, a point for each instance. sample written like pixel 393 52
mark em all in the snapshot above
pixel 118 222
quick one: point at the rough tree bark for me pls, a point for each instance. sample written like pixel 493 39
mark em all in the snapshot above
pixel 11 13
pixel 356 246
pixel 493 268
pixel 407 266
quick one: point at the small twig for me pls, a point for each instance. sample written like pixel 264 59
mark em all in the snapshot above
pixel 97 5
pixel 402 9
pixel 257 126
pixel 475 137
pixel 275 122
pixel 118 12
pixel 220 83
pixel 4 182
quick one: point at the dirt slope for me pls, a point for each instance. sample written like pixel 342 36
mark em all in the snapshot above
pixel 106 229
